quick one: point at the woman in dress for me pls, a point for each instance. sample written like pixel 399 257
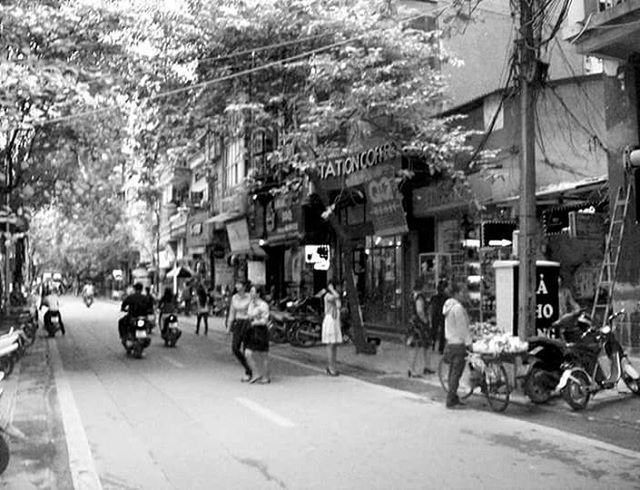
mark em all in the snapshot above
pixel 331 330
pixel 257 338
pixel 418 336
pixel 238 322
pixel 203 309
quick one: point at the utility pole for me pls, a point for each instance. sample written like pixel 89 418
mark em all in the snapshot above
pixel 528 224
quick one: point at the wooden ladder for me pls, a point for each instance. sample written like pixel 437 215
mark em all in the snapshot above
pixel 613 245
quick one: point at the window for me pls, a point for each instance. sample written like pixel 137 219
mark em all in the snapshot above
pixel 235 163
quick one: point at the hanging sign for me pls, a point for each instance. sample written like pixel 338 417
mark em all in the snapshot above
pixel 384 202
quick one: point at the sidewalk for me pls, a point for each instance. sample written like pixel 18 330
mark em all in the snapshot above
pixel 390 363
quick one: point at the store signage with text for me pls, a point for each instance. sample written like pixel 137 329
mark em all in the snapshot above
pixel 238 233
pixel 283 216
pixel 384 201
pixel 360 161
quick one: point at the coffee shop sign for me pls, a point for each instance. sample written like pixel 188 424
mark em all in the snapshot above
pixel 359 161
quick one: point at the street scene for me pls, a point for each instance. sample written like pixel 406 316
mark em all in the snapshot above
pixel 319 243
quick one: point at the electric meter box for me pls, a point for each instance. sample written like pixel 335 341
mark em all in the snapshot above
pixel 547 275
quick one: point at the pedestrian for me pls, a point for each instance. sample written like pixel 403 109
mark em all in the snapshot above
pixel 237 323
pixel 257 337
pixel 187 297
pixel 331 331
pixel 419 335
pixel 437 318
pixel 458 337
pixel 203 309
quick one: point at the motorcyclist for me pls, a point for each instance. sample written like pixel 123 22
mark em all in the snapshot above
pixel 88 290
pixel 135 305
pixel 52 303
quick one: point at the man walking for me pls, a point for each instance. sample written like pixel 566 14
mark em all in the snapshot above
pixel 458 336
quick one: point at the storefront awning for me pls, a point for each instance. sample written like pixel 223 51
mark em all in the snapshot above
pixel 565 189
pixel 254 250
pixel 223 218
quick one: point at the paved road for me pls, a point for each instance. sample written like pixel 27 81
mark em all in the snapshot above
pixel 180 418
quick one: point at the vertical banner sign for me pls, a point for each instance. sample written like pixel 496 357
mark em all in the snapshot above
pixel 384 201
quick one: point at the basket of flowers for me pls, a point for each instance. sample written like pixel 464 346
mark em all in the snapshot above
pixel 492 343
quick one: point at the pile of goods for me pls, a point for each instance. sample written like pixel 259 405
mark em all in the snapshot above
pixel 489 340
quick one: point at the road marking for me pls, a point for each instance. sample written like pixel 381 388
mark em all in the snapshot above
pixel 174 362
pixel 265 412
pixel 81 464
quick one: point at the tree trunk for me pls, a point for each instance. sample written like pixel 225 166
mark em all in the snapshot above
pixel 357 327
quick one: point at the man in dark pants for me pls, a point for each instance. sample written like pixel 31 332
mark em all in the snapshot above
pixel 458 336
pixel 238 322
pixel 437 317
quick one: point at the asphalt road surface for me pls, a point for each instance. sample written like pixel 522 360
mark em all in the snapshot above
pixel 181 419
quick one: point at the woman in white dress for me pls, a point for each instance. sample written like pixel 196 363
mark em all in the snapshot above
pixel 331 330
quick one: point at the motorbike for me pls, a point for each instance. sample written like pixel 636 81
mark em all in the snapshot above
pixel 88 300
pixel 281 320
pixel 547 354
pixel 4 447
pixel 137 338
pixel 8 348
pixel 53 325
pixel 587 362
pixel 220 305
pixel 170 332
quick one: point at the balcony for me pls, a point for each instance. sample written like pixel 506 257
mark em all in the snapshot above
pixel 605 28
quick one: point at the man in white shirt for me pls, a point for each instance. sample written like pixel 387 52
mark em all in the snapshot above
pixel 458 337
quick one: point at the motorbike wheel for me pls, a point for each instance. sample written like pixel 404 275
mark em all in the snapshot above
pixel 536 385
pixel 6 365
pixel 292 333
pixel 307 334
pixel 166 342
pixel 173 343
pixel 4 454
pixel 576 393
pixel 136 351
pixel 277 333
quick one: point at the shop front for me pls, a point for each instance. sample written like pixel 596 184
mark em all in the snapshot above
pixel 198 239
pixel 370 208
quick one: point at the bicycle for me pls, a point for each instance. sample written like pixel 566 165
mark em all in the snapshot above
pixel 482 371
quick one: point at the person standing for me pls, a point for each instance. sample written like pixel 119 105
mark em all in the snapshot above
pixel 257 338
pixel 187 297
pixel 437 318
pixel 458 337
pixel 419 336
pixel 203 309
pixel 238 323
pixel 331 330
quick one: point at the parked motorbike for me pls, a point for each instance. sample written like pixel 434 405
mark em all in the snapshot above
pixel 170 332
pixel 220 305
pixel 8 346
pixel 547 354
pixel 137 337
pixel 306 329
pixel 281 320
pixel 4 447
pixel 88 300
pixel 53 325
pixel 586 362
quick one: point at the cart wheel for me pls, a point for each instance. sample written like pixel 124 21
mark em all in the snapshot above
pixel 465 388
pixel 496 386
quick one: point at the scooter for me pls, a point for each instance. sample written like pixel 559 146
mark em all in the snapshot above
pixel 53 325
pixel 547 354
pixel 280 320
pixel 4 447
pixel 137 339
pixel 587 362
pixel 170 332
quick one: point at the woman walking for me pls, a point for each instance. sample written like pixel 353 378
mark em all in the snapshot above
pixel 238 323
pixel 257 338
pixel 203 309
pixel 331 331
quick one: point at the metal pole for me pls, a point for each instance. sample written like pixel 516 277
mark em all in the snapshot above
pixel 528 224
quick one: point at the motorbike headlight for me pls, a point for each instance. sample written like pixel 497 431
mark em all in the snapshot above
pixel 140 323
pixel 289 304
pixel 606 329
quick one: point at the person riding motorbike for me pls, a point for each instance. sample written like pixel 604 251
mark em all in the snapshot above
pixel 88 291
pixel 52 303
pixel 135 305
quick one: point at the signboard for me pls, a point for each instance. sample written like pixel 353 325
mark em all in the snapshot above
pixel 497 233
pixel 238 233
pixel 586 226
pixel 430 200
pixel 256 272
pixel 341 167
pixel 283 216
pixel 384 202
pixel 318 255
